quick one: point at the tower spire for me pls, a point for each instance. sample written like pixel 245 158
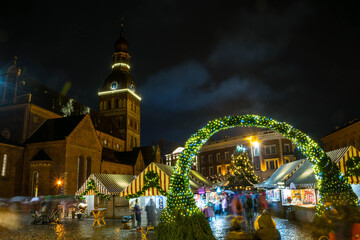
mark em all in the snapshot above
pixel 122 27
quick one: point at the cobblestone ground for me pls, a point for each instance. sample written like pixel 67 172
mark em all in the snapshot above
pixel 17 226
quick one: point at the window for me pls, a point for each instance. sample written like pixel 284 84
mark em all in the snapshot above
pixel 120 103
pixel 218 157
pixel 202 160
pixel 80 172
pixel 101 105
pixel 88 167
pixel 267 166
pixel 270 149
pixel 35 183
pixel 226 156
pixel 228 168
pixel 219 169
pixel 210 159
pixel 286 147
pixel 257 166
pixel 272 164
pixel 4 165
pixel 211 171
pixel 36 118
pixel 203 171
pixel 256 151
pixel 273 149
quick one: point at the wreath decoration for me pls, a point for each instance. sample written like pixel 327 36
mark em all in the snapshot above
pixel 91 186
pixel 152 180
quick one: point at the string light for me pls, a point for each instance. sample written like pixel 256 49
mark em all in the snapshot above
pixel 181 203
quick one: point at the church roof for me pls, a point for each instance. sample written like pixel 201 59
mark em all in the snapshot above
pixel 127 158
pixel 149 153
pixel 41 155
pixel 105 124
pixel 56 129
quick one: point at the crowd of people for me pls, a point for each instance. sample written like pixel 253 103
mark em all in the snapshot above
pixel 248 213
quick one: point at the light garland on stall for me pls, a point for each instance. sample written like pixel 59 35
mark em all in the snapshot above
pixel 151 180
pixel 353 167
pixel 91 186
pixel 333 187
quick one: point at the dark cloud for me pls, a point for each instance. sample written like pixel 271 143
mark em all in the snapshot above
pixel 296 61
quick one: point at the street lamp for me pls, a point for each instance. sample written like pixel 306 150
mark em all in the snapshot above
pixel 58 182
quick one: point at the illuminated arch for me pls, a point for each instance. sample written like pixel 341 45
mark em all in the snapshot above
pixel 332 185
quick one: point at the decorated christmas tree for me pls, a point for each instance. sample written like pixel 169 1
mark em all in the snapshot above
pixel 241 169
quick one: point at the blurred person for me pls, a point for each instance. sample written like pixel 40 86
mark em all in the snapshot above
pixel 150 213
pixel 217 206
pixel 236 228
pixel 256 204
pixel 209 211
pixel 249 211
pixel 224 205
pixel 237 207
pixel 265 227
pixel 137 211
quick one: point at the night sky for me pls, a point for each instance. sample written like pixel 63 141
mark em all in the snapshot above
pixel 193 61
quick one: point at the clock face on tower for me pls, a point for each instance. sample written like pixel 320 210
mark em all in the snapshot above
pixel 113 85
pixel 132 88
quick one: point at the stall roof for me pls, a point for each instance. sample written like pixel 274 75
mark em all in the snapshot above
pixel 280 174
pixel 110 184
pixel 303 172
pixel 303 175
pixel 164 171
pixel 340 156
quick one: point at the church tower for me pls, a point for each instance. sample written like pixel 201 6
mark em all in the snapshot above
pixel 119 98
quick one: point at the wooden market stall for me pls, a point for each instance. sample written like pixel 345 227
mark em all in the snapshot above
pixel 102 190
pixel 298 189
pixel 139 188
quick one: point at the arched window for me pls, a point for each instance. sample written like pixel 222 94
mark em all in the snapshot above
pixel 80 172
pixel 120 103
pixel 88 167
pixel 35 183
pixel 4 165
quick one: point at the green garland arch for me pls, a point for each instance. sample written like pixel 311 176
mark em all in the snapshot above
pixel 152 180
pixel 91 186
pixel 181 210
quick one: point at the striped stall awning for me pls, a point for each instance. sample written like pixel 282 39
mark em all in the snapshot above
pixel 99 186
pixel 109 184
pixel 349 153
pixel 138 183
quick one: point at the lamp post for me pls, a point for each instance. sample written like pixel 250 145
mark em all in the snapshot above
pixel 59 182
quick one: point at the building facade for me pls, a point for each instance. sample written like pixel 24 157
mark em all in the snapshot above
pixel 268 150
pixel 173 156
pixel 348 135
pixel 50 144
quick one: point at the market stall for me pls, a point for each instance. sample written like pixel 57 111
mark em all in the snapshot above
pixel 152 185
pixel 102 190
pixel 276 182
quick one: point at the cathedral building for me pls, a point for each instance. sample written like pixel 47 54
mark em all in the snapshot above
pixel 50 144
